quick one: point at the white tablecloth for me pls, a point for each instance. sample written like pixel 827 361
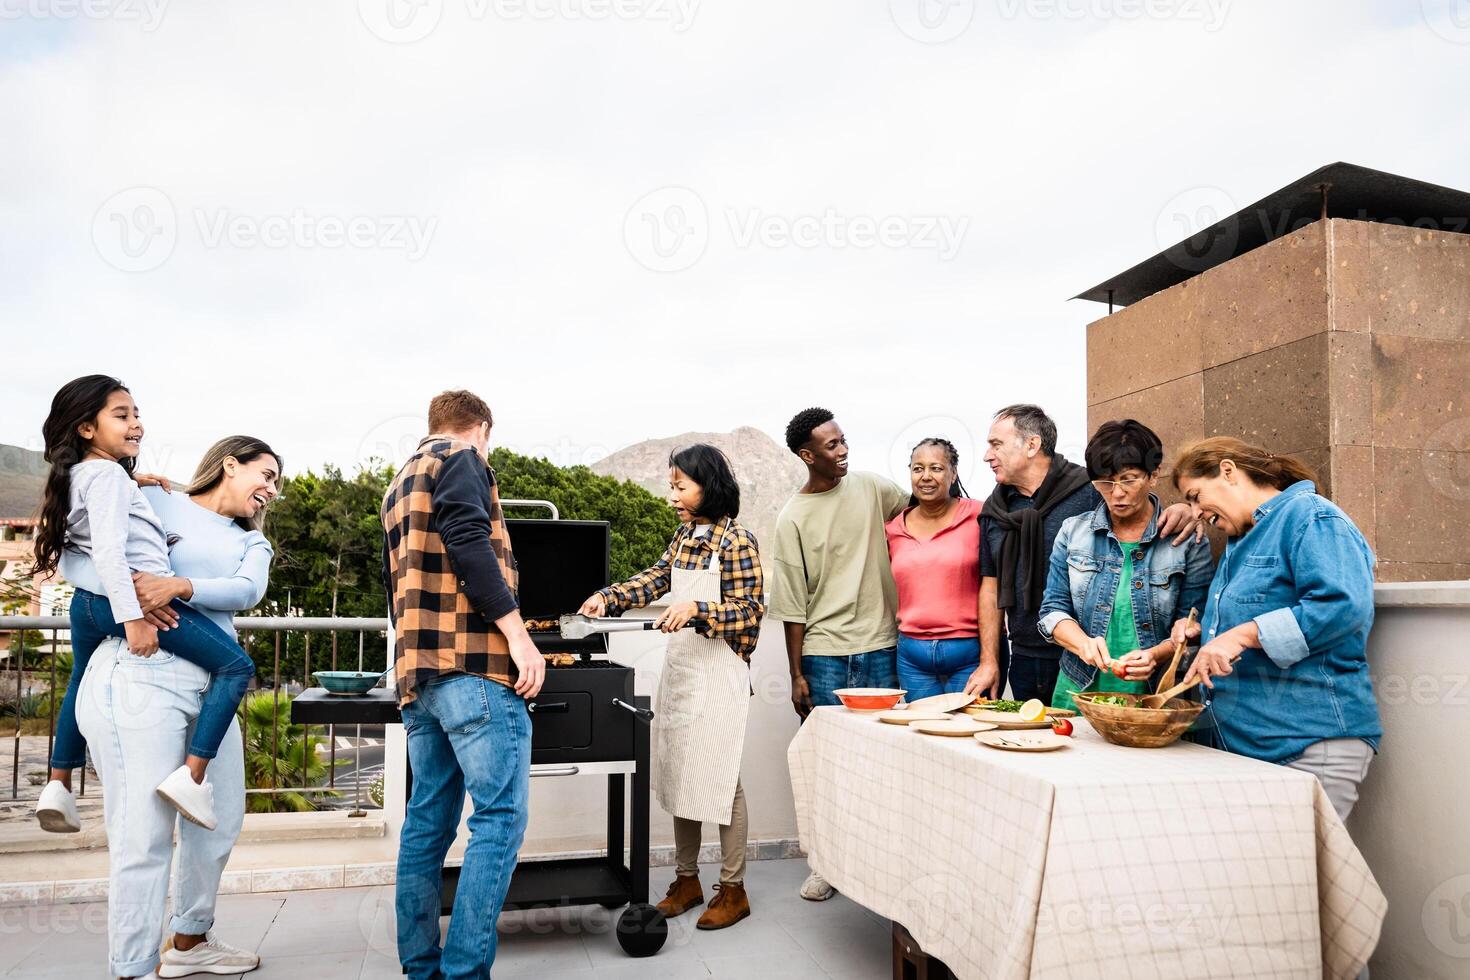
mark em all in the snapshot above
pixel 1092 861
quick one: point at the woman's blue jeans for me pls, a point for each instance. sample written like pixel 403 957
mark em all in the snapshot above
pixel 930 667
pixel 196 638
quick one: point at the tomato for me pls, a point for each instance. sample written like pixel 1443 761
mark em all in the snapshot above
pixel 1061 726
pixel 1119 671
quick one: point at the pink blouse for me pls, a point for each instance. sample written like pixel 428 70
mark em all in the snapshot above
pixel 938 580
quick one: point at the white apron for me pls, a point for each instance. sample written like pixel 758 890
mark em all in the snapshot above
pixel 700 708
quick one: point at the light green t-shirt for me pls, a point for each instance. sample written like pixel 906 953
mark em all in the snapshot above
pixel 830 566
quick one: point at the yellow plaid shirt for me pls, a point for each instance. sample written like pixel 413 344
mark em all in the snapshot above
pixel 736 618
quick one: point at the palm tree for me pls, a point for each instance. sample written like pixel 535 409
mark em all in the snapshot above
pixel 277 754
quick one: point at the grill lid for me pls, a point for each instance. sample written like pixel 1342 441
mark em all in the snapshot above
pixel 560 563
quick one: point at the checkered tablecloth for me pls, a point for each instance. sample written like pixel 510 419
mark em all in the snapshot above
pixel 1092 861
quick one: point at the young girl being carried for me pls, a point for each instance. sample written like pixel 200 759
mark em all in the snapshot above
pixel 99 528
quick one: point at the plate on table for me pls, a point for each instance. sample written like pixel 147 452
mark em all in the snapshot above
pixel 1011 721
pixel 952 727
pixel 905 716
pixel 943 703
pixel 1022 741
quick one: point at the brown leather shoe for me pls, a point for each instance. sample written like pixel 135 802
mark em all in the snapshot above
pixel 728 907
pixel 684 894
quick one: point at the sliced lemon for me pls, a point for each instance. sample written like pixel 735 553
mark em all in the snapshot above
pixel 1032 710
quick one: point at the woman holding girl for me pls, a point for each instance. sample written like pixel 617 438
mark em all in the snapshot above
pixel 934 548
pixel 711 575
pixel 144 553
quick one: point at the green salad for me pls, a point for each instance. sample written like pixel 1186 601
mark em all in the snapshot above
pixel 1115 699
pixel 1002 705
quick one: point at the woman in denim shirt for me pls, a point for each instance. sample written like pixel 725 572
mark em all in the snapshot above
pixel 1115 587
pixel 1293 599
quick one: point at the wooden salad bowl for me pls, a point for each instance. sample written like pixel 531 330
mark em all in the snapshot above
pixel 1135 727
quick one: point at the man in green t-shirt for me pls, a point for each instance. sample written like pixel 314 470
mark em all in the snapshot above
pixel 832 587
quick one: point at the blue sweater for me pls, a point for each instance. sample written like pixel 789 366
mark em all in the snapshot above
pixel 1304 575
pixel 227 566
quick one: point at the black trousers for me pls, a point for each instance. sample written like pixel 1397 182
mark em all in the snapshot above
pixel 1033 677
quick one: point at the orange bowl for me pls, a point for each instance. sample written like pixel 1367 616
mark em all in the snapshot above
pixel 869 698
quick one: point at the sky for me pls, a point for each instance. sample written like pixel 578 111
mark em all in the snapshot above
pixel 627 219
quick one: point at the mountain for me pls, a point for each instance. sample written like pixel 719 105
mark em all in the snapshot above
pixel 22 477
pixel 767 472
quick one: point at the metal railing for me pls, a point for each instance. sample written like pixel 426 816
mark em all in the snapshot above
pixel 28 666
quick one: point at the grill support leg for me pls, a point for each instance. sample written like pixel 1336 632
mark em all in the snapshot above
pixel 638 845
pixel 616 824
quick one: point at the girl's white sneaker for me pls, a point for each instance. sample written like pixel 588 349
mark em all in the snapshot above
pixel 57 809
pixel 194 801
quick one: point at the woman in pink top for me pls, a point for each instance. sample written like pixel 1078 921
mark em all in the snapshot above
pixel 934 547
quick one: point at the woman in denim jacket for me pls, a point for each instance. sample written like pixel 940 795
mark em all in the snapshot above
pixel 1293 600
pixel 1115 587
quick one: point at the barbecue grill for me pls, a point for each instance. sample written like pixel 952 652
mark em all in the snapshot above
pixel 585 721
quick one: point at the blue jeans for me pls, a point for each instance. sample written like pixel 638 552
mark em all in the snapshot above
pixel 824 675
pixel 464 733
pixel 930 667
pixel 196 638
pixel 137 713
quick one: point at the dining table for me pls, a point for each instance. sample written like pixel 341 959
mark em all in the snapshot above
pixel 1093 860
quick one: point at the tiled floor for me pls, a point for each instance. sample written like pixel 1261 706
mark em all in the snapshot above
pixel 347 934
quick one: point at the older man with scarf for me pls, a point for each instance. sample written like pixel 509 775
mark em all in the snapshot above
pixel 1036 490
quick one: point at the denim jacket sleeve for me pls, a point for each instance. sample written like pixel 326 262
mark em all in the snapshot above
pixel 1056 604
pixel 1199 571
pixel 1333 572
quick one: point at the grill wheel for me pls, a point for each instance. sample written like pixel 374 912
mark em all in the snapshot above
pixel 642 930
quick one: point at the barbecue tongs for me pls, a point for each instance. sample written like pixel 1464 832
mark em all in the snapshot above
pixel 576 627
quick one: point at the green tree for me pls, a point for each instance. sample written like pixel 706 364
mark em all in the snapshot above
pixel 279 754
pixel 328 541
pixel 15 600
pixel 642 524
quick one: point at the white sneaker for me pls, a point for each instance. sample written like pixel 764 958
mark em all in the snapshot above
pixel 194 801
pixel 816 889
pixel 210 956
pixel 57 809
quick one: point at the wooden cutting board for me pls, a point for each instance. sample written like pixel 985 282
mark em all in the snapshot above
pixel 1010 721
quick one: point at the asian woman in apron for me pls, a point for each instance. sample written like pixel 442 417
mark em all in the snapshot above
pixel 711 576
